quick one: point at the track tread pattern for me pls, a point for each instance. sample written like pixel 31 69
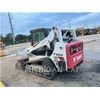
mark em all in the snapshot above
pixel 47 64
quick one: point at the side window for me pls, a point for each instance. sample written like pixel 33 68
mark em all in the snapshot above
pixel 36 37
pixel 41 36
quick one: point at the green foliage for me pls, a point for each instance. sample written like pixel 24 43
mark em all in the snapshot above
pixel 9 37
pixel 20 38
pixel 29 37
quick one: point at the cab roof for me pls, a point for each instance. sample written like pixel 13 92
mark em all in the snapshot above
pixel 39 29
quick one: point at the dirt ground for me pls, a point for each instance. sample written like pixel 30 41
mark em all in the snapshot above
pixel 88 73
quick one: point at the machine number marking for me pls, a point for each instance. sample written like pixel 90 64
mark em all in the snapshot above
pixel 77 58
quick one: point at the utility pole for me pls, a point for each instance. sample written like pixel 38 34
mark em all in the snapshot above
pixel 11 26
pixel 69 24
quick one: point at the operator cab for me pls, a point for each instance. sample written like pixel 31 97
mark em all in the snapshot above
pixel 41 33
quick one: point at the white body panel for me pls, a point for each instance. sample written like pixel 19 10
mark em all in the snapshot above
pixel 59 48
pixel 59 51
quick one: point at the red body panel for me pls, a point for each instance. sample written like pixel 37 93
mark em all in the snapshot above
pixel 74 53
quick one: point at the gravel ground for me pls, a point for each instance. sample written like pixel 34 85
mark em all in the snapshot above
pixel 87 75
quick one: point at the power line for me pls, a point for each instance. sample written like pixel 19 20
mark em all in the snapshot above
pixel 11 26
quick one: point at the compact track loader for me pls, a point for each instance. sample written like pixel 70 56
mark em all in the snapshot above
pixel 51 51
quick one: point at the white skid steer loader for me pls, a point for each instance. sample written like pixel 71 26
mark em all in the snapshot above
pixel 52 50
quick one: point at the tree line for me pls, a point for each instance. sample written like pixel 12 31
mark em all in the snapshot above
pixel 20 38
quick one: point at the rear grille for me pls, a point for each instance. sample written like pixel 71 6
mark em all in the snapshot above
pixel 76 48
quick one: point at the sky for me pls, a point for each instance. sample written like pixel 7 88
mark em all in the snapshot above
pixel 24 22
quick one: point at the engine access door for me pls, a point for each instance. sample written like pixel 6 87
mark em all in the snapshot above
pixel 74 53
